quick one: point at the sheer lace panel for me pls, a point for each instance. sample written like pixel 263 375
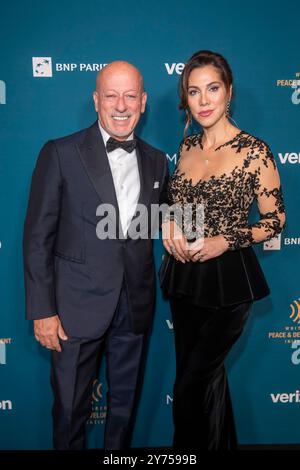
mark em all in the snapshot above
pixel 226 181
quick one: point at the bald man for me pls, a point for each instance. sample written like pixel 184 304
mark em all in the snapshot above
pixel 90 290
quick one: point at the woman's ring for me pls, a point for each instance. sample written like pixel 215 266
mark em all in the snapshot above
pixel 173 250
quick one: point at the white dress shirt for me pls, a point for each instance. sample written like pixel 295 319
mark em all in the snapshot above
pixel 126 177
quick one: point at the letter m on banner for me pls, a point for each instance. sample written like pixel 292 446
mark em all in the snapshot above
pixel 2 92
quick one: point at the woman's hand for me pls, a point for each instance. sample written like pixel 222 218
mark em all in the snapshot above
pixel 211 248
pixel 175 242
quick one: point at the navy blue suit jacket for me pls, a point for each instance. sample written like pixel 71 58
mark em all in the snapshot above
pixel 69 271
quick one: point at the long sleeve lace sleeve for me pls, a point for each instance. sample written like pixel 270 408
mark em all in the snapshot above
pixel 268 194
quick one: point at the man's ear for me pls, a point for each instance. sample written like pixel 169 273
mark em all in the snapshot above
pixel 144 101
pixel 96 98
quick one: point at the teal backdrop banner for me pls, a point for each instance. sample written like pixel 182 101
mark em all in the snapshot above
pixel 50 53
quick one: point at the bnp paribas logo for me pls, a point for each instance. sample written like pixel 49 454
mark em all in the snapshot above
pixel 273 244
pixel 42 67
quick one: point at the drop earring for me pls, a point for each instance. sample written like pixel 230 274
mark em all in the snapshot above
pixel 188 120
pixel 227 113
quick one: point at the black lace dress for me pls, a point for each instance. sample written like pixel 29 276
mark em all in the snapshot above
pixel 235 276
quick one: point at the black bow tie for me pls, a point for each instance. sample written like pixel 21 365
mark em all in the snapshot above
pixel 113 144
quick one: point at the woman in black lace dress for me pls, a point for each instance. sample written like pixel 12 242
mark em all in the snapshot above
pixel 213 279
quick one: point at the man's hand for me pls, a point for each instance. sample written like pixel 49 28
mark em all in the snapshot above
pixel 48 331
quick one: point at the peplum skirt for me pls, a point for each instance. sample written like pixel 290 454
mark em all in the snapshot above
pixel 232 278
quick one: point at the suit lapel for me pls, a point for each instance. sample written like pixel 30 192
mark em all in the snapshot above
pixel 146 177
pixel 94 158
pixel 146 173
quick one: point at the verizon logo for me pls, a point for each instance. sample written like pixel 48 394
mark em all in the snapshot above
pixel 5 405
pixel 174 68
pixel 293 157
pixel 286 397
